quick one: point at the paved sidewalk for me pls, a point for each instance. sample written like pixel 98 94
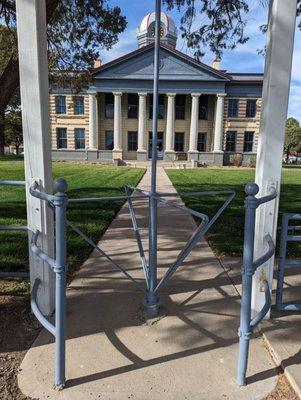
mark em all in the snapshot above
pixel 190 354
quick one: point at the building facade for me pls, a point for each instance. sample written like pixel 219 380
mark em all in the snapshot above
pixel 205 114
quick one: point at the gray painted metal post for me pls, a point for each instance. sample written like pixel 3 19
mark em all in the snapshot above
pixel 152 301
pixel 282 258
pixel 244 331
pixel 60 270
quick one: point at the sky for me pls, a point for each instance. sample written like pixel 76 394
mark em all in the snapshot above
pixel 244 58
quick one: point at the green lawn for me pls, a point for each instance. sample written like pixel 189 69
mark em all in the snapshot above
pixel 85 180
pixel 226 236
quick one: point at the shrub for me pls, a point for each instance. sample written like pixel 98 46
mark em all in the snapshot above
pixel 236 160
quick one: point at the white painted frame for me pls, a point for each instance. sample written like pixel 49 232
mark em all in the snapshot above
pixel 276 87
pixel 33 66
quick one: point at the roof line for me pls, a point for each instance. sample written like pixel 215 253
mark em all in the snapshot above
pixel 174 51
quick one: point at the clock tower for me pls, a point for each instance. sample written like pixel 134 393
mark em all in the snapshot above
pixel 146 30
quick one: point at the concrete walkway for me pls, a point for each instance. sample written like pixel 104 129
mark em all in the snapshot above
pixel 111 354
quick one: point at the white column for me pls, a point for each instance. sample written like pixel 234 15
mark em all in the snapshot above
pixel 142 123
pixel 170 123
pixel 194 124
pixel 278 64
pixel 33 65
pixel 93 122
pixel 117 125
pixel 219 123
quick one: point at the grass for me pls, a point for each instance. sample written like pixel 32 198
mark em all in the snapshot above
pixel 226 236
pixel 84 180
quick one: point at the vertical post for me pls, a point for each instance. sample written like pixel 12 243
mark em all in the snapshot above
pixel 60 286
pixel 278 64
pixel 33 65
pixel 152 301
pixel 93 122
pixel 194 127
pixel 244 331
pixel 141 151
pixel 219 123
pixel 282 258
pixel 170 127
pixel 117 151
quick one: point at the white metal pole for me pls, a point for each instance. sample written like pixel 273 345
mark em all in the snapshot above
pixel 33 65
pixel 276 86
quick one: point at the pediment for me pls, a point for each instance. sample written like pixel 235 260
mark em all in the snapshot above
pixel 173 66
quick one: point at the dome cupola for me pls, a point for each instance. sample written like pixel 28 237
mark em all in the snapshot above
pixel 146 30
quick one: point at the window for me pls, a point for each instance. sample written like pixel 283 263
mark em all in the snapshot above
pixel 248 142
pixel 79 138
pixel 231 141
pixel 60 104
pixel 180 106
pixel 251 108
pixel 109 140
pixel 109 105
pixel 232 108
pixel 179 141
pixel 61 138
pixel 78 105
pixel 202 136
pixel 203 107
pixel 160 106
pixel 132 105
pixel 132 141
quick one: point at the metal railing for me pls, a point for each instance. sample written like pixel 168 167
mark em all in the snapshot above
pixel 152 284
pixel 247 324
pixel 10 274
pixel 288 234
pixel 58 204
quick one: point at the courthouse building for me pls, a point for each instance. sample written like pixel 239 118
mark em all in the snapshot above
pixel 205 113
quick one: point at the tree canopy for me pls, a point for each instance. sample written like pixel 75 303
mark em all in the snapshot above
pixel 292 136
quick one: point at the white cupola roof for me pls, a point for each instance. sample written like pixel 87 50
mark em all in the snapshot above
pixel 146 30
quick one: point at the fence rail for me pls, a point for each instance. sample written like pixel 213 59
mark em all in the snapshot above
pixel 287 235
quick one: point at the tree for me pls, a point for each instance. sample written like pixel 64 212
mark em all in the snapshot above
pixel 292 137
pixel 77 30
pixel 13 128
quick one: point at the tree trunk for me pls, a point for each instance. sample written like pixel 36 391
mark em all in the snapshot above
pixel 287 155
pixel 9 79
pixel 2 134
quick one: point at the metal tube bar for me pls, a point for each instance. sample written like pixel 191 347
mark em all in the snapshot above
pixel 244 331
pixel 138 238
pixel 262 313
pixel 103 253
pixel 92 199
pixel 36 250
pixel 185 194
pixel 261 260
pixel 35 308
pixel 152 301
pixel 13 228
pixel 60 270
pixel 40 195
pixel 12 183
pixel 14 274
pixel 269 197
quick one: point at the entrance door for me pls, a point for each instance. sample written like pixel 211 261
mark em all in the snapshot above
pixel 159 145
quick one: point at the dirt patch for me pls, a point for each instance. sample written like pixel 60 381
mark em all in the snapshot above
pixel 283 390
pixel 18 329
